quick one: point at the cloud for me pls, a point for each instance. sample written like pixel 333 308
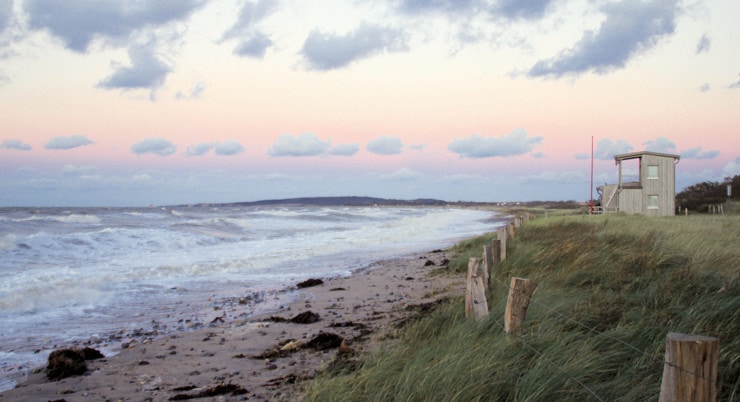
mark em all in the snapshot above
pixel 661 144
pixel 61 143
pixel 228 148
pixel 735 85
pixel 697 153
pixel 417 147
pixel 403 174
pixel 145 71
pixel 732 168
pixel 86 171
pixel 6 14
pixel 476 146
pixel 200 149
pixel 252 42
pixel 705 87
pixel 326 52
pixel 525 9
pixel 156 146
pixel 385 145
pixel 196 92
pixel 307 144
pixel 606 149
pixel 436 6
pixel 344 149
pixel 704 44
pixel 630 28
pixel 17 145
pixel 78 23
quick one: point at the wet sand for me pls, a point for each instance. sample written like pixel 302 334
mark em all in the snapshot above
pixel 263 357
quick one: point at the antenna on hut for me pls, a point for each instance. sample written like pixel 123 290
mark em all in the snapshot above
pixel 591 202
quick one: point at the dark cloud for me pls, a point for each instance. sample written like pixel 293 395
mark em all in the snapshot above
pixel 437 6
pixel 6 14
pixel 156 146
pixel 525 9
pixel 200 149
pixel 252 42
pixel 145 71
pixel 344 149
pixel 661 144
pixel 78 23
pixel 307 144
pixel 705 43
pixel 630 27
pixel 385 145
pixel 17 145
pixel 697 153
pixel 323 51
pixel 228 148
pixel 476 146
pixel 70 142
pixel 254 46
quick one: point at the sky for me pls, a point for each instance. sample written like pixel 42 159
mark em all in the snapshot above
pixel 161 102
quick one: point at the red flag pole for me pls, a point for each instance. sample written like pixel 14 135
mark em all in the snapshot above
pixel 591 202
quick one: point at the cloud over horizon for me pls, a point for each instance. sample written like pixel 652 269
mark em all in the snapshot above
pixel 307 144
pixel 146 70
pixel 69 142
pixel 17 145
pixel 156 146
pixel 385 145
pixel 476 146
pixel 252 42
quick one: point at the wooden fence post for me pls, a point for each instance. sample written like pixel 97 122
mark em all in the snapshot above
pixel 496 247
pixel 512 230
pixel 690 369
pixel 520 293
pixel 488 258
pixel 475 294
pixel 502 234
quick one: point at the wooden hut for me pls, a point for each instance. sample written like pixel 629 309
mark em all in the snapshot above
pixel 651 192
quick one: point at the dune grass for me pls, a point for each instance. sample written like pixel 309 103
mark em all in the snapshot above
pixel 610 288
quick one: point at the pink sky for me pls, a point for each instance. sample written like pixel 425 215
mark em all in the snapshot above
pixel 486 101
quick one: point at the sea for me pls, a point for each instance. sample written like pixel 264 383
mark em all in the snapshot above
pixel 104 276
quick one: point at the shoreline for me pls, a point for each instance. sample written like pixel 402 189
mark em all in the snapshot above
pixel 359 310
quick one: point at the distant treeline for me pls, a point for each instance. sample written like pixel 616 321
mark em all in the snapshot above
pixel 699 197
pixel 356 201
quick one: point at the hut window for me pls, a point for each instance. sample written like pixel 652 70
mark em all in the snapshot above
pixel 652 171
pixel 652 202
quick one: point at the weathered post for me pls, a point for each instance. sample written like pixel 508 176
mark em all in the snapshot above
pixel 475 295
pixel 488 258
pixel 518 222
pixel 502 234
pixel 520 293
pixel 690 369
pixel 512 230
pixel 496 246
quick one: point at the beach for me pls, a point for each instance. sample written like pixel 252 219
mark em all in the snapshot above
pixel 265 356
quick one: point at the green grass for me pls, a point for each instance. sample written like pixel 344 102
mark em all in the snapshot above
pixel 610 288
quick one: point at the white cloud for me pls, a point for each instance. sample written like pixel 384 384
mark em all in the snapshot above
pixel 63 143
pixel 307 144
pixel 324 51
pixel 476 146
pixel 661 144
pixel 732 168
pixel 86 171
pixel 606 149
pixel 156 146
pixel 385 145
pixel 228 148
pixel 200 149
pixel 698 153
pixel 344 149
pixel 17 145
pixel 705 43
pixel 403 174
pixel 252 41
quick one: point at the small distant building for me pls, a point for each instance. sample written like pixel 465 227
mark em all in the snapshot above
pixel 652 192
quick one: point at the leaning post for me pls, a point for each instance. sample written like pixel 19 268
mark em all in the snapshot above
pixel 520 294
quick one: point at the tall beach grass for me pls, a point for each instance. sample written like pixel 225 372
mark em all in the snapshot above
pixel 609 290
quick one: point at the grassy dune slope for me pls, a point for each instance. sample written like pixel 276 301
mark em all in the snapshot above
pixel 609 291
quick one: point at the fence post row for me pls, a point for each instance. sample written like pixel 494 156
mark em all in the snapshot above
pixel 690 369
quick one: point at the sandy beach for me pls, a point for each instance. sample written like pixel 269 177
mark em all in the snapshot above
pixel 269 356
